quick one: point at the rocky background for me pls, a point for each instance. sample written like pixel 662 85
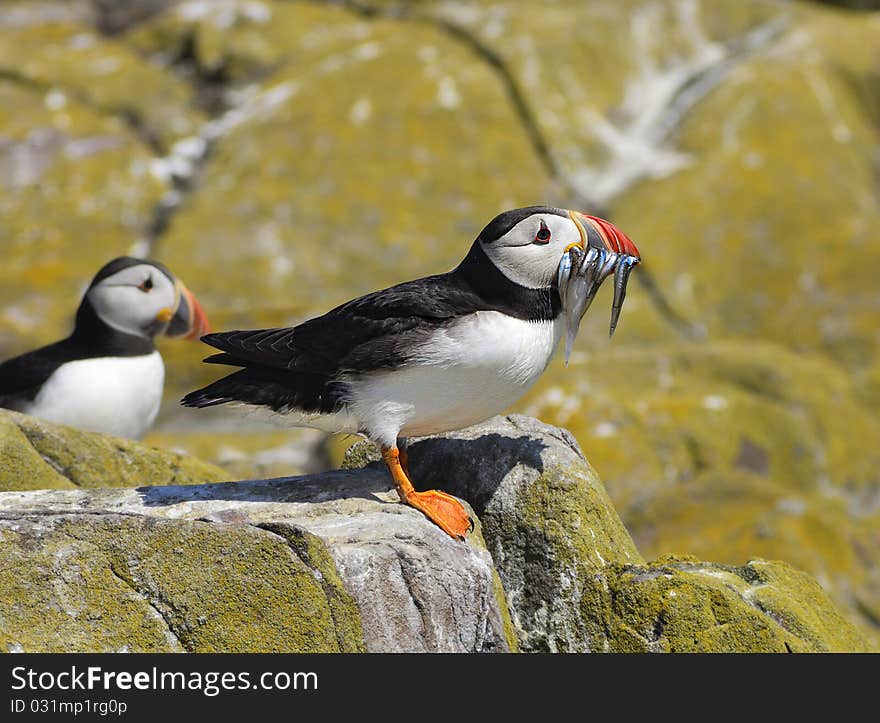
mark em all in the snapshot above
pixel 282 157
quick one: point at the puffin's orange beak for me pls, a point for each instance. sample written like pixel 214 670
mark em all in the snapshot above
pixel 601 234
pixel 189 321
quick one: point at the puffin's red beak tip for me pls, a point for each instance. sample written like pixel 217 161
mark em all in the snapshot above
pixel 615 239
pixel 200 324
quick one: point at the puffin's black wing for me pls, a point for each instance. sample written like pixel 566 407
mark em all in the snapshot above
pixel 22 376
pixel 300 368
pixel 297 368
pixel 375 331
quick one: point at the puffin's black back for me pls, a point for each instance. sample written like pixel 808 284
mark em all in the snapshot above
pixel 300 366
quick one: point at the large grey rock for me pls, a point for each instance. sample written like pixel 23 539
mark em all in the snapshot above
pixel 216 552
pixel 330 562
pixel 101 581
pixel 547 519
pixel 573 577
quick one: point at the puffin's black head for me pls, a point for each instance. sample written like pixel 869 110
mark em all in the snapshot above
pixel 527 244
pixel 142 298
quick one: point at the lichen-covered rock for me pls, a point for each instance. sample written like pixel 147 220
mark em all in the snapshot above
pixel 333 562
pixel 773 249
pixel 280 144
pixel 114 582
pixel 413 588
pixel 245 449
pixel 35 454
pixel 782 443
pixel 679 605
pixel 573 577
pixel 72 63
pixel 548 521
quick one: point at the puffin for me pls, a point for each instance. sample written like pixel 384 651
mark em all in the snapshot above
pixel 423 357
pixel 107 376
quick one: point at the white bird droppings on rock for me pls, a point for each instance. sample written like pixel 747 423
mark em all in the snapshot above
pixel 604 430
pixel 447 93
pixel 55 99
pixel 361 111
pixel 714 403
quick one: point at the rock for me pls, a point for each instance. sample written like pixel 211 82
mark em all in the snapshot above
pixel 773 249
pixel 71 65
pixel 35 454
pixel 548 521
pixel 113 16
pixel 854 4
pixel 96 581
pixel 681 605
pixel 331 562
pixel 279 547
pixel 781 442
pixel 573 577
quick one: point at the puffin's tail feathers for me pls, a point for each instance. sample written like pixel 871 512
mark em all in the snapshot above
pixel 279 391
pixel 225 358
pixel 205 397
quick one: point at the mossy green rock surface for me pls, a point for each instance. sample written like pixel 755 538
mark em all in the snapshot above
pixel 35 454
pixel 332 562
pixel 733 450
pixel 119 583
pixel 573 577
pixel 320 563
pixel 680 605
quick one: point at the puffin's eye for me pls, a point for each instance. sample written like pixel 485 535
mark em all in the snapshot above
pixel 146 284
pixel 543 235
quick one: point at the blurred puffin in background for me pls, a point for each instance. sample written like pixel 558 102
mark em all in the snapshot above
pixel 107 376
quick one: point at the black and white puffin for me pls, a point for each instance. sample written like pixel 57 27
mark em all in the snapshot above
pixel 423 357
pixel 107 376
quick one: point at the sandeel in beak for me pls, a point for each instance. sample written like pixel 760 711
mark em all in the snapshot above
pixel 603 250
pixel 189 320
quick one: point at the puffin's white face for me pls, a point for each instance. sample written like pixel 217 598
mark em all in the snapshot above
pixel 139 300
pixel 529 253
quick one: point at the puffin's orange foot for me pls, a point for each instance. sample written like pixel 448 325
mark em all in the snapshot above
pixel 443 510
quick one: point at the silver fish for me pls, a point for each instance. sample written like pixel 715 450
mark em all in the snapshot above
pixel 609 265
pixel 563 274
pixel 578 283
pixel 621 277
pixel 579 276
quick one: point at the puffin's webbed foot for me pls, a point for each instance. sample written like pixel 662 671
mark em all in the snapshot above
pixel 442 509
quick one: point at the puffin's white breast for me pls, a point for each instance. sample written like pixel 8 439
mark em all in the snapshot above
pixel 115 395
pixel 467 372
